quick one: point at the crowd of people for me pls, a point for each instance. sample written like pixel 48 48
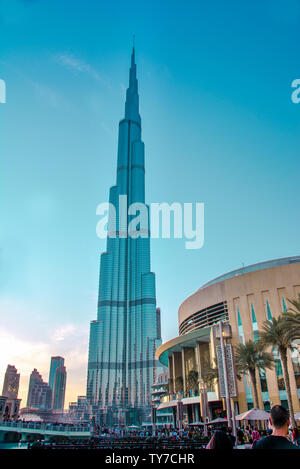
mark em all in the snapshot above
pixel 279 435
pixel 160 433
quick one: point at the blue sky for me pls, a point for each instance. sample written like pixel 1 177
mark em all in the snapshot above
pixel 219 127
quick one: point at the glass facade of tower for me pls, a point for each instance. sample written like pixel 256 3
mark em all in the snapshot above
pixel 59 389
pixel 57 382
pixel 123 339
pixel 56 362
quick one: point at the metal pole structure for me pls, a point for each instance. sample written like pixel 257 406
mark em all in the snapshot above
pixel 153 415
pixel 203 394
pixel 233 419
pixel 179 404
pixel 227 395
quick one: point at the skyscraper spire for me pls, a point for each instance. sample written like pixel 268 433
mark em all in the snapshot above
pixel 126 333
pixel 133 51
pixel 132 97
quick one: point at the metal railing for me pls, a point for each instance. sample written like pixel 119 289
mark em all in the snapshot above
pixel 43 426
pixel 130 444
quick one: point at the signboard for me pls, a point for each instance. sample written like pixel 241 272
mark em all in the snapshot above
pixel 232 384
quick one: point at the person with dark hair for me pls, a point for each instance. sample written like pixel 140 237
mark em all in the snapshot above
pixel 240 436
pixel 219 440
pixel 255 436
pixel 231 437
pixel 279 421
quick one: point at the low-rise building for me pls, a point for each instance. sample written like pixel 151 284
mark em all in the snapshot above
pixel 160 416
pixel 243 299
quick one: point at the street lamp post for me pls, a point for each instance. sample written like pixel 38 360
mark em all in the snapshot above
pixel 204 405
pixel 227 394
pixel 153 417
pixel 233 419
pixel 179 410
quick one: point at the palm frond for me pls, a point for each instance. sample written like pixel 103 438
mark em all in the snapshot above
pixel 296 305
pixel 251 356
pixel 277 332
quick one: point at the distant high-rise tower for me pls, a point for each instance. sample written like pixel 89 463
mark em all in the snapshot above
pixel 57 382
pixel 11 382
pixel 39 392
pixel 123 339
pixel 56 362
pixel 58 392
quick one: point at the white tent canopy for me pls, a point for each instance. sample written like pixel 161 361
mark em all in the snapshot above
pixel 254 414
pixel 218 420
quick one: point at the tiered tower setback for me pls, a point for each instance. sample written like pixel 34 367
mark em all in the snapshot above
pixel 123 339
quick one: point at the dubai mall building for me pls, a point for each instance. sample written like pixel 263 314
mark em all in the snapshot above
pixel 244 299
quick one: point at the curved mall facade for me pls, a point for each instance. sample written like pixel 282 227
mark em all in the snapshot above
pixel 244 298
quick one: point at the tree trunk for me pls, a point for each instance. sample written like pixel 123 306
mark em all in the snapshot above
pixel 283 358
pixel 254 386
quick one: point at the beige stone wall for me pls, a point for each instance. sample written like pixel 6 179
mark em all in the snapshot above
pixel 240 291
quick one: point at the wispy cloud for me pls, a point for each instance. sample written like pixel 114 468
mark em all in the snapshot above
pixel 62 332
pixel 47 94
pixel 80 66
pixel 67 340
pixel 107 129
pixel 28 354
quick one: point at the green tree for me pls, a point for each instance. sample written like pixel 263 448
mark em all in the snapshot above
pixel 209 374
pixel 250 357
pixel 292 318
pixel 296 305
pixel 170 385
pixel 193 380
pixel 179 384
pixel 276 333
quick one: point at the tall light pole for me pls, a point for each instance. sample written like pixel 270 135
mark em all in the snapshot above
pixel 204 406
pixel 233 419
pixel 225 371
pixel 153 418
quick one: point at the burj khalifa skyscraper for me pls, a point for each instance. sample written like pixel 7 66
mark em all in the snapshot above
pixel 122 365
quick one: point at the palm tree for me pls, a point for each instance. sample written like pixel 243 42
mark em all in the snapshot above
pixel 170 385
pixel 250 357
pixel 276 333
pixel 179 384
pixel 192 380
pixel 208 376
pixel 292 317
pixel 296 304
